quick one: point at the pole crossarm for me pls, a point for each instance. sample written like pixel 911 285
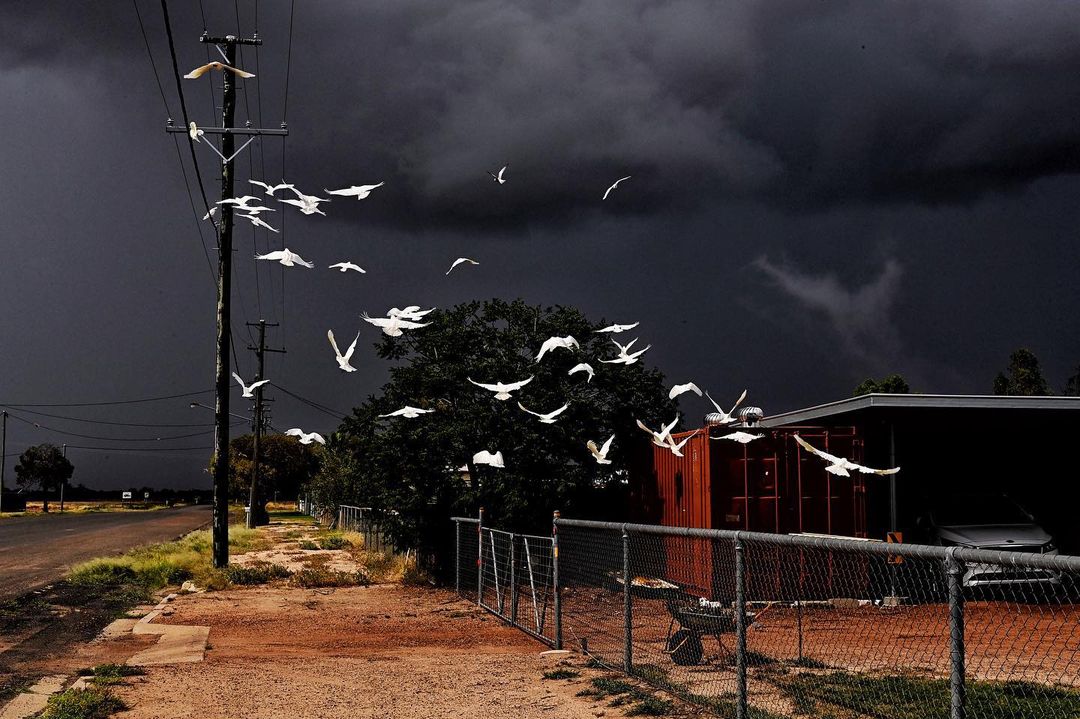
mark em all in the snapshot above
pixel 170 127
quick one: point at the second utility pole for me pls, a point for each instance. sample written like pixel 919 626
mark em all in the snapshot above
pixel 256 511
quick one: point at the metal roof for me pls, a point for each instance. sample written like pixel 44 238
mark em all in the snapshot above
pixel 920 401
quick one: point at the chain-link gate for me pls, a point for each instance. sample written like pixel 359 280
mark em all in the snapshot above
pixel 511 575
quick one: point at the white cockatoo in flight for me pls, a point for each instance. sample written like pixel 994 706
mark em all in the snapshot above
pixel 552 343
pixel 549 417
pixel 502 391
pixel 343 359
pixel 600 455
pixel 247 388
pixel 839 465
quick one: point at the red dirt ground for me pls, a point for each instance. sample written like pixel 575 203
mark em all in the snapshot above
pixel 382 651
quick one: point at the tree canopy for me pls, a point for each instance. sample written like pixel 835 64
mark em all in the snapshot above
pixel 893 384
pixel 1023 376
pixel 421 468
pixel 43 466
pixel 284 465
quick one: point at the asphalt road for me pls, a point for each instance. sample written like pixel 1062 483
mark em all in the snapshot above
pixel 37 550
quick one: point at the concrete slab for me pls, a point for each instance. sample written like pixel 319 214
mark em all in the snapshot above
pixel 178 645
pixel 34 699
pixel 115 630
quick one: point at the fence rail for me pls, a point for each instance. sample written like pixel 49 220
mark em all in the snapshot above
pixel 364 521
pixel 765 626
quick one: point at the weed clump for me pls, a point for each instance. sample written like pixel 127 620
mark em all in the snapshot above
pixel 91 703
pixel 561 674
pixel 312 577
pixel 256 573
pixel 334 540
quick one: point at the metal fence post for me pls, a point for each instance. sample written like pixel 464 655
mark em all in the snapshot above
pixel 628 608
pixel 480 557
pixel 955 569
pixel 457 557
pixel 513 581
pixel 740 628
pixel 556 588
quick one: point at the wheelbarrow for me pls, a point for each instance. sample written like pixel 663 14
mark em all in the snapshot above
pixel 697 618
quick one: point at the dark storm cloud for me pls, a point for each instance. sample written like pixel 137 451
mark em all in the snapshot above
pixel 860 318
pixel 800 104
pixel 907 169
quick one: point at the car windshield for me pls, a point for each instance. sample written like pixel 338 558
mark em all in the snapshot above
pixel 972 509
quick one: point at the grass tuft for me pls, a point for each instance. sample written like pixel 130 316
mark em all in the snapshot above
pixel 561 674
pixel 308 545
pixel 334 540
pixel 109 674
pixel 91 703
pixel 255 573
pixel 650 706
pixel 312 577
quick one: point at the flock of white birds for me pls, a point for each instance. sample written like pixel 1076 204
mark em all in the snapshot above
pixel 397 321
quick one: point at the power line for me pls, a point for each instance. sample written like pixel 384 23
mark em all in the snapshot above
pixel 115 424
pixel 183 105
pixel 311 403
pixel 108 439
pixel 180 159
pixel 109 403
pixel 150 55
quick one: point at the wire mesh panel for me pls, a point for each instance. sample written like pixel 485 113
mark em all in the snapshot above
pixel 467 547
pixel 682 616
pixel 496 561
pixel 535 587
pixel 835 630
pixel 1022 641
pixel 590 566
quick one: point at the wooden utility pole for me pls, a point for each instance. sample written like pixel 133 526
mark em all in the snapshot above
pixel 3 455
pixel 62 483
pixel 223 380
pixel 256 512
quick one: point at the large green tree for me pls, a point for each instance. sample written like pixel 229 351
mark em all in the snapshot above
pixel 43 466
pixel 1023 376
pixel 419 471
pixel 284 465
pixel 893 384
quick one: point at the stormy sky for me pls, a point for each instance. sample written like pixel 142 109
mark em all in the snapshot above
pixel 820 192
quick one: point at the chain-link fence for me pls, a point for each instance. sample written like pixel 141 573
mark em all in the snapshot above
pixel 764 626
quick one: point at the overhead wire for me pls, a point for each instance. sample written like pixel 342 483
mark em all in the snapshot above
pixel 38 425
pixel 108 422
pixel 312 403
pixel 285 124
pixel 107 403
pixel 179 157
pixel 191 143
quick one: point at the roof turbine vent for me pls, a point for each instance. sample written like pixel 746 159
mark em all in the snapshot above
pixel 750 416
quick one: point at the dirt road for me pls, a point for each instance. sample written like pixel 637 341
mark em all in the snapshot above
pixel 37 550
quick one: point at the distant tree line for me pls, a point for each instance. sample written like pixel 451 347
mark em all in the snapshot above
pixel 1023 377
